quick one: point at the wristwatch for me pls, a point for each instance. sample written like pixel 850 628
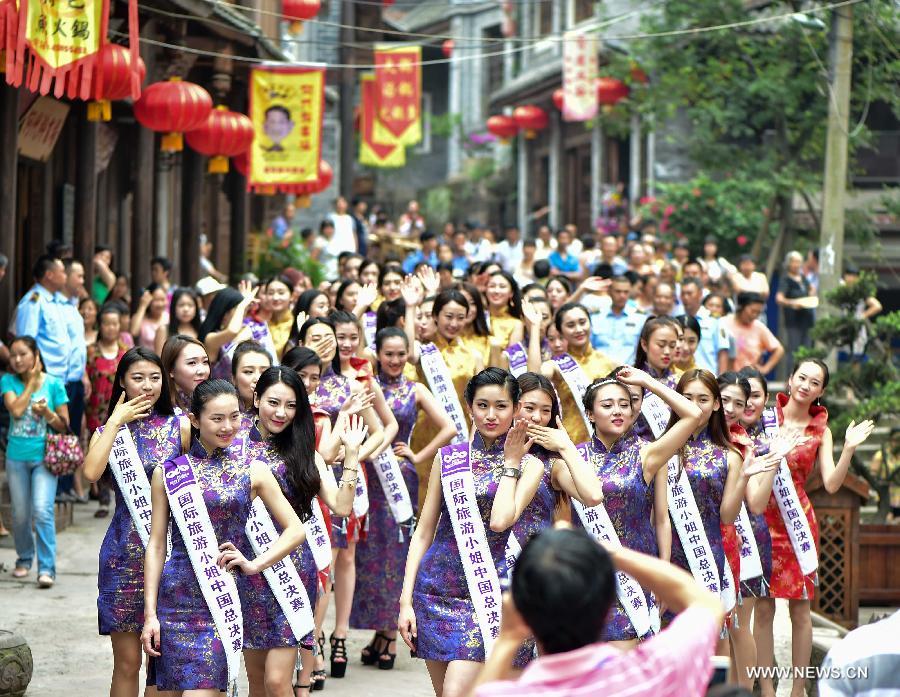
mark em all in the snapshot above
pixel 513 472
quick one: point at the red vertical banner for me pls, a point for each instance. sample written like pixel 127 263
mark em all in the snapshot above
pixel 398 93
pixel 374 152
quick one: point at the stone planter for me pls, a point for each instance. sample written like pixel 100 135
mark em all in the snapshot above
pixel 15 664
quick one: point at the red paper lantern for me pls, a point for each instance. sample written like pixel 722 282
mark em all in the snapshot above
pixel 559 98
pixel 326 176
pixel 173 107
pixel 225 134
pixel 111 80
pixel 610 91
pixel 502 126
pixel 638 75
pixel 297 11
pixel 447 47
pixel 531 118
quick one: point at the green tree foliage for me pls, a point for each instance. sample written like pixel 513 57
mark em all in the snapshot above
pixel 278 254
pixel 756 97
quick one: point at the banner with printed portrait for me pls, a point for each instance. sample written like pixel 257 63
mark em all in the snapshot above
pixel 579 75
pixel 373 151
pixel 398 93
pixel 286 107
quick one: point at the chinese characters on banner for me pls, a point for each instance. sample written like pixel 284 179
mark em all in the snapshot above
pixel 57 45
pixel 579 75
pixel 372 151
pixel 286 107
pixel 398 94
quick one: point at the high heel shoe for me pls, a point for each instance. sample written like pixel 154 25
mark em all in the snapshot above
pixel 317 677
pixel 338 651
pixel 371 653
pixel 387 663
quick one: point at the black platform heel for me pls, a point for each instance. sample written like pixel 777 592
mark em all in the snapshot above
pixel 371 653
pixel 387 663
pixel 338 651
pixel 317 677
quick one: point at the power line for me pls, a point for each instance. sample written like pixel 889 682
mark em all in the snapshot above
pixel 622 37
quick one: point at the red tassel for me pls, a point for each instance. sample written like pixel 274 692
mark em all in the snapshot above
pixel 134 47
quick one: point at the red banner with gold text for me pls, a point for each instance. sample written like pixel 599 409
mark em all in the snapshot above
pixel 398 93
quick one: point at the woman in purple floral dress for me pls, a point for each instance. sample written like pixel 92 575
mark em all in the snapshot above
pixel 381 554
pixel 178 625
pixel 633 472
pixel 139 401
pixel 284 439
pixel 437 613
pixel 655 354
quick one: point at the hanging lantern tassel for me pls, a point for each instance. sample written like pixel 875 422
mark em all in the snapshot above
pixel 99 110
pixel 303 201
pixel 217 165
pixel 172 142
pixel 2 61
pixel 295 28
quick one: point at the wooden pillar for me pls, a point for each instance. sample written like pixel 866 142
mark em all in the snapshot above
pixel 85 237
pixel 634 165
pixel 554 175
pixel 240 225
pixel 193 174
pixel 596 171
pixel 9 155
pixel 142 217
pixel 522 177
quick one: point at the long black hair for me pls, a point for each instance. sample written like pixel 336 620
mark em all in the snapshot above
pixel 296 444
pixel 751 373
pixel 649 329
pixel 339 296
pixel 479 325
pixel 340 317
pixel 304 302
pixel 493 376
pixel 515 301
pixel 33 347
pixel 243 348
pixel 224 301
pixel 299 357
pixel 174 324
pixel 529 382
pixel 389 313
pixel 163 404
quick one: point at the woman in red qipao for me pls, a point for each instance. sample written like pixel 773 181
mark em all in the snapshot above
pixel 801 413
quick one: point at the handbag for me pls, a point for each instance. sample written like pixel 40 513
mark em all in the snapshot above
pixel 63 453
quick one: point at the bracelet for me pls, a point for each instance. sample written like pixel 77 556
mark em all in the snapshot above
pixel 348 482
pixel 513 472
pixel 351 469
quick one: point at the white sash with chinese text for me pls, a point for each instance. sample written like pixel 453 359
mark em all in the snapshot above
pixel 458 485
pixel 361 495
pixel 282 577
pixel 511 553
pixel 597 522
pixel 518 359
pixel 317 537
pixel 132 481
pixel 387 467
pixel 370 323
pixel 751 564
pixel 435 370
pixel 789 506
pixel 576 381
pixel 217 585
pixel 684 512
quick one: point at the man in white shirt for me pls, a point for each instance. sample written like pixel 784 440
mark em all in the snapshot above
pixel 865 662
pixel 478 248
pixel 508 252
pixel 344 238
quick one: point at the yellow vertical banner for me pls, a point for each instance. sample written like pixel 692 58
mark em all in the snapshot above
pixel 372 150
pixel 398 93
pixel 286 107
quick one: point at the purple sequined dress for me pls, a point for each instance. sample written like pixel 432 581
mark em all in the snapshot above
pixel 759 586
pixel 120 603
pixel 628 500
pixel 192 656
pixel 333 390
pixel 538 514
pixel 706 465
pixel 381 553
pixel 265 625
pixel 445 616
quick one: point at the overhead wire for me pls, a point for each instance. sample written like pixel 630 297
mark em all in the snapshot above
pixel 692 31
